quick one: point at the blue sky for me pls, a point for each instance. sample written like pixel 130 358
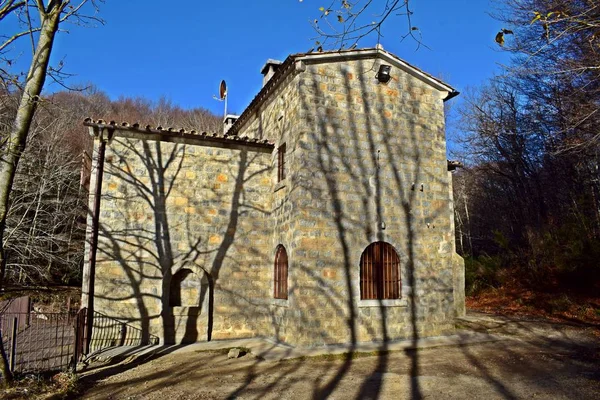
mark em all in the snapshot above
pixel 150 49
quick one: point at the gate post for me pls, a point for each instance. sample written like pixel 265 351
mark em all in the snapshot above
pixel 123 334
pixel 13 344
pixel 80 325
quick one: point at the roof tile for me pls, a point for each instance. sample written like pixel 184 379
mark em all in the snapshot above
pixel 177 132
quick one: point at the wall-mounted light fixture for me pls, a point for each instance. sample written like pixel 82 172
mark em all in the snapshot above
pixel 383 75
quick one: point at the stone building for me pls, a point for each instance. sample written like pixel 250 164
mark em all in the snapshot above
pixel 322 215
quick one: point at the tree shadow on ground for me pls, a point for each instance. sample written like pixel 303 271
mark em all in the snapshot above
pixel 560 373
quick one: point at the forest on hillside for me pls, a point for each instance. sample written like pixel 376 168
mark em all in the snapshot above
pixel 45 235
pixel 528 202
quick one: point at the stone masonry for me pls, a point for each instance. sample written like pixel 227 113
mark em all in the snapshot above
pixel 365 162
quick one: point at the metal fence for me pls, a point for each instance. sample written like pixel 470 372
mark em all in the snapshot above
pixel 36 342
pixel 43 342
pixel 108 332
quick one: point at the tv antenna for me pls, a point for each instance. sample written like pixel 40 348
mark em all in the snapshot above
pixel 222 96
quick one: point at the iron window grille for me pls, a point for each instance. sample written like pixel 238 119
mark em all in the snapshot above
pixel 281 173
pixel 379 272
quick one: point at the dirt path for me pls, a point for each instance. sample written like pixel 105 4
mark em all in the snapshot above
pixel 536 361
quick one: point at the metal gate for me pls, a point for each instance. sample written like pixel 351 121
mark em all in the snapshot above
pixel 43 342
pixel 39 342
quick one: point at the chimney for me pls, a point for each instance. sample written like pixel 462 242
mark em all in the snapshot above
pixel 229 121
pixel 269 69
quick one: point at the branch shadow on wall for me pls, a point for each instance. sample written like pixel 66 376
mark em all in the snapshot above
pixel 349 172
pixel 369 162
pixel 148 252
pixel 378 175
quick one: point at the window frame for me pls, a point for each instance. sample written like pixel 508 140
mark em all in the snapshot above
pixel 280 273
pixel 380 278
pixel 281 161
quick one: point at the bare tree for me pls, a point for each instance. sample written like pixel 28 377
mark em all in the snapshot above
pixel 533 147
pixel 344 23
pixel 44 237
pixel 40 21
pixel 556 47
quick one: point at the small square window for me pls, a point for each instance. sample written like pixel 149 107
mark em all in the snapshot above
pixel 281 173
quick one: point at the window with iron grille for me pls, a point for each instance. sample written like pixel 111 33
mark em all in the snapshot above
pixel 281 163
pixel 280 273
pixel 379 272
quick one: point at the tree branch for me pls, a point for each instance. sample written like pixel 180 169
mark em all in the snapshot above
pixel 353 31
pixel 9 7
pixel 16 36
pixel 41 9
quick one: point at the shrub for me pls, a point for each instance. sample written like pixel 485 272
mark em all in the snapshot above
pixel 483 272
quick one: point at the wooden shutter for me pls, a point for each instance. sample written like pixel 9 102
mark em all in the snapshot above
pixel 379 274
pixel 390 279
pixel 280 277
pixel 368 274
pixel 281 163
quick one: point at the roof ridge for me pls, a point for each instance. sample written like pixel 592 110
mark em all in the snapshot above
pixel 174 132
pixel 289 62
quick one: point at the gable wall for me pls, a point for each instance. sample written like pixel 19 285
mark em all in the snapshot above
pixel 361 146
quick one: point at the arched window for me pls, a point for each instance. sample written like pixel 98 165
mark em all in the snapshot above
pixel 280 276
pixel 379 272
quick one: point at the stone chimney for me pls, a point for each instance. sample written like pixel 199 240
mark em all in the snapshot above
pixel 269 69
pixel 229 121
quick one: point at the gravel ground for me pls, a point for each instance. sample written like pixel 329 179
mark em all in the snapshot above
pixel 537 360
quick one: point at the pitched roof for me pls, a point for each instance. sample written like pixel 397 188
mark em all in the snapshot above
pixel 147 131
pixel 338 55
pixel 283 70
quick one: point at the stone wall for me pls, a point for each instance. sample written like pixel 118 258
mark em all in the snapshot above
pixel 278 120
pixel 366 154
pixel 168 206
pixel 365 162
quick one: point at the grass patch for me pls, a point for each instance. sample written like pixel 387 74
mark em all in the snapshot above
pixel 559 304
pixel 63 385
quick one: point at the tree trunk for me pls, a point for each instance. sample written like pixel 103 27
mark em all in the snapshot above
pixel 29 100
pixel 4 366
pixel 20 129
